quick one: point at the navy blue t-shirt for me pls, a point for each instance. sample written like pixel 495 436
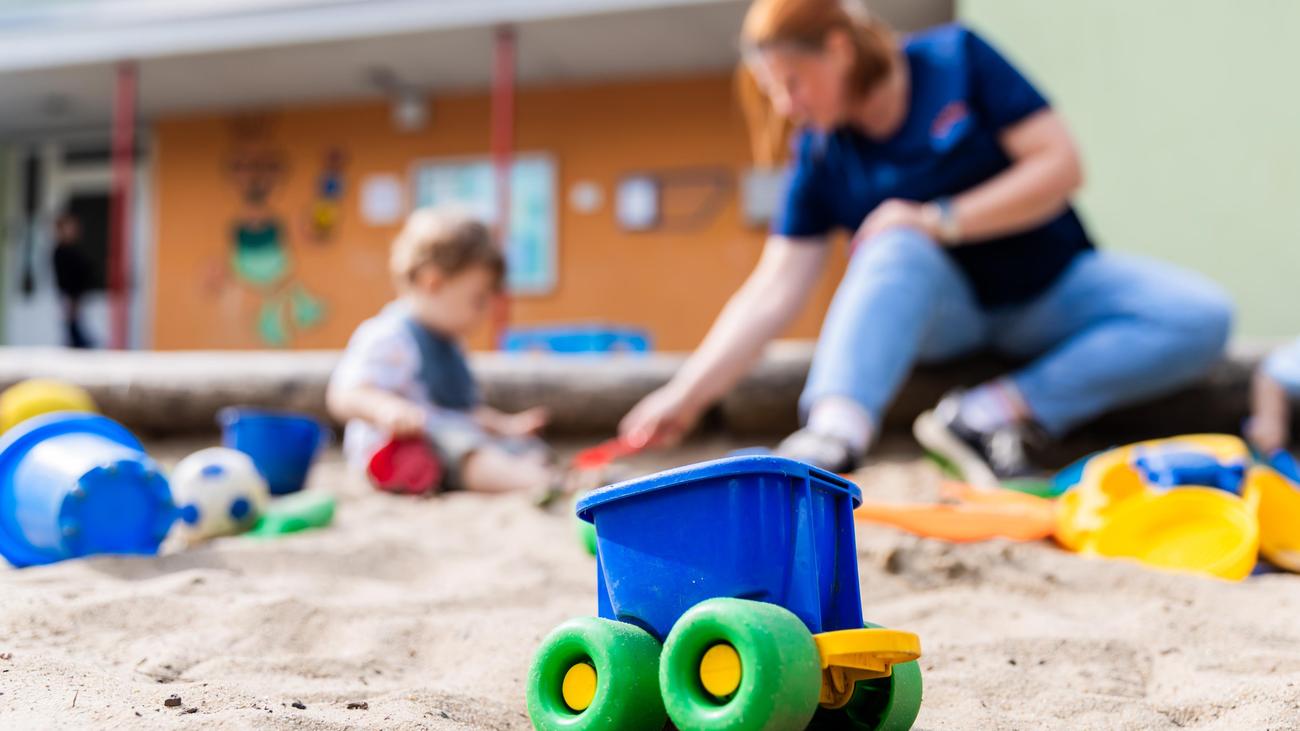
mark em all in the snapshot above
pixel 964 94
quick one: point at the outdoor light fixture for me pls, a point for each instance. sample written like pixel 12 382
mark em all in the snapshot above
pixel 410 110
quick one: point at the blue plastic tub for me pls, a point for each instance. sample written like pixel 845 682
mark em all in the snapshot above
pixel 282 445
pixel 752 527
pixel 576 339
pixel 74 484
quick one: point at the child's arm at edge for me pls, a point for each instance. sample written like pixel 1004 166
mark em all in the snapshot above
pixel 385 410
pixel 522 424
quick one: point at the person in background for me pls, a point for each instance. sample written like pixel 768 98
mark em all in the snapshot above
pixel 954 176
pixel 1275 383
pixel 404 373
pixel 73 276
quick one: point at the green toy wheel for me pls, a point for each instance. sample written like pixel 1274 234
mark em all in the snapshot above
pixel 592 674
pixel 587 536
pixel 740 666
pixel 586 531
pixel 883 704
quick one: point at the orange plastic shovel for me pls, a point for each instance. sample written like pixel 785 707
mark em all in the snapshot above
pixel 976 515
pixel 601 455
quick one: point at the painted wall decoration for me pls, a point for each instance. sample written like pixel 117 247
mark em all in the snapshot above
pixel 676 199
pixel 471 184
pixel 670 281
pixel 323 218
pixel 260 257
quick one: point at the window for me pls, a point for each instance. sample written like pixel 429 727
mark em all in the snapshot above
pixel 471 184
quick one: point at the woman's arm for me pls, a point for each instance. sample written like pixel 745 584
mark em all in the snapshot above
pixel 764 306
pixel 1045 172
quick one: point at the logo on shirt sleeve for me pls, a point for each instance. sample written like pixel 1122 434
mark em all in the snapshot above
pixel 950 124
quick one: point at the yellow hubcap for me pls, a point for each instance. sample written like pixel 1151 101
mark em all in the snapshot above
pixel 579 687
pixel 720 670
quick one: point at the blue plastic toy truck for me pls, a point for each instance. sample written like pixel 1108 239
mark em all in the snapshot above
pixel 728 599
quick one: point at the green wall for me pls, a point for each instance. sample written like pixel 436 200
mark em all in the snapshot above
pixel 1188 113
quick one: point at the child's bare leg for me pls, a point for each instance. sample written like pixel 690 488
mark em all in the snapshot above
pixel 491 469
pixel 1269 428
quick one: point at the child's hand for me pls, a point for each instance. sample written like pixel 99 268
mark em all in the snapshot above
pixel 524 424
pixel 1266 435
pixel 401 419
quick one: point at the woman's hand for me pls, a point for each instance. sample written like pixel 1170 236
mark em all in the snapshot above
pixel 660 419
pixel 763 306
pixel 898 213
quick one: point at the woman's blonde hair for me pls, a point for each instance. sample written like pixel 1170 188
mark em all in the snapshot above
pixel 448 239
pixel 804 25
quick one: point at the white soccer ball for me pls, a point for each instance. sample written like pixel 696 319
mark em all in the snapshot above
pixel 219 493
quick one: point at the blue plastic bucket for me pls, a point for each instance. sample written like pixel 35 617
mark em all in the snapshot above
pixel 753 527
pixel 283 445
pixel 74 484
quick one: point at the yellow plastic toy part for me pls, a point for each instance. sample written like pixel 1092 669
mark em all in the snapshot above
pixel 849 656
pixel 37 396
pixel 1108 481
pixel 579 687
pixel 720 670
pixel 1189 529
pixel 1279 516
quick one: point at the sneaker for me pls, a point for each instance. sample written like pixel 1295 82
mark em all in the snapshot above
pixel 820 450
pixel 982 459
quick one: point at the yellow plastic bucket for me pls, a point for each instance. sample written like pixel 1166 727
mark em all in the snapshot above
pixel 37 396
pixel 1108 481
pixel 1188 529
pixel 1279 516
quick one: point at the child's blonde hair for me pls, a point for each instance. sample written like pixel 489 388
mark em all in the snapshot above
pixel 449 240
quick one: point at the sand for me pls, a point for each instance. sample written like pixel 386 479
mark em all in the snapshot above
pixel 428 612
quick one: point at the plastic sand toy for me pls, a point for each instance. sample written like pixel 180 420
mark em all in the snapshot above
pixel 74 485
pixel 38 396
pixel 283 445
pixel 295 513
pixel 1172 504
pixel 1192 529
pixel 1146 469
pixel 405 467
pixel 219 492
pixel 973 515
pixel 1279 516
pixel 728 598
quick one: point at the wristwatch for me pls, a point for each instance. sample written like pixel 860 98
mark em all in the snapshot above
pixel 948 229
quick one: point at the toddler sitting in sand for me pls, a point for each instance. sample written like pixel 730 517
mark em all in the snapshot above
pixel 404 373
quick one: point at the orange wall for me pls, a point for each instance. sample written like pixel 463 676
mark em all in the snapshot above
pixel 670 282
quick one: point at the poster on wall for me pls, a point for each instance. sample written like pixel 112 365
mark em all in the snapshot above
pixel 261 255
pixel 470 183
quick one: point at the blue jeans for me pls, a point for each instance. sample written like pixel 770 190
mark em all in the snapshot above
pixel 1114 329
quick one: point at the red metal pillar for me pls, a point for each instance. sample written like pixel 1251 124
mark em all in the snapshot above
pixel 120 206
pixel 503 137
